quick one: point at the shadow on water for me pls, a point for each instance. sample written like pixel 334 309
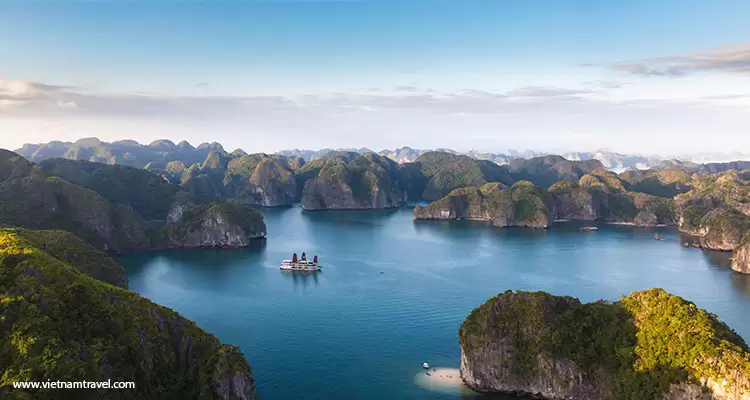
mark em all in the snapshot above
pixel 302 278
pixel 350 218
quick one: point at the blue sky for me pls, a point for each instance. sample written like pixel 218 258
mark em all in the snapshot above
pixel 643 76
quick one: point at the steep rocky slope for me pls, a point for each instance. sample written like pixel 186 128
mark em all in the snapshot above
pixel 598 195
pixel 648 345
pixel 149 195
pixel 716 210
pixel 348 180
pixel 227 224
pixel 62 325
pixel 435 174
pixel 32 199
pixel 522 205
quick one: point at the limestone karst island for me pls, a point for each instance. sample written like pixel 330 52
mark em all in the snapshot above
pixel 369 200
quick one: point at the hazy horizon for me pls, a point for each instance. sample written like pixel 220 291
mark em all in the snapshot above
pixel 635 77
pixel 684 156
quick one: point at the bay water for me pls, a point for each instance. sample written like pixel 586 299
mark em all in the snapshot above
pixel 393 292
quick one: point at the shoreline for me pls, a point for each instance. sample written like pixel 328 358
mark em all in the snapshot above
pixel 444 380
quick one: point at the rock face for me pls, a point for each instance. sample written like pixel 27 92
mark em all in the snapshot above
pixel 649 345
pixel 522 205
pixel 73 328
pixel 260 179
pixel 572 202
pixel 254 179
pixel 716 210
pixel 723 229
pixel 645 219
pixel 228 224
pixel 350 181
pixel 741 256
pixel 599 195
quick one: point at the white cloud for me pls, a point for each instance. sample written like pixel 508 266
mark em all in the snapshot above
pixel 539 117
pixel 729 59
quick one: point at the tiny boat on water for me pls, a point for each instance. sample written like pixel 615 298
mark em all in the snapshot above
pixel 426 366
pixel 302 264
pixel 589 228
pixel 656 237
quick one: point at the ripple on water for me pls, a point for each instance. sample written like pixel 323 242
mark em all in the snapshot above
pixel 443 380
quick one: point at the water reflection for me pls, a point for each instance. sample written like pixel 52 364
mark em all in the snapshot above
pixel 718 259
pixel 741 282
pixel 301 278
pixel 351 218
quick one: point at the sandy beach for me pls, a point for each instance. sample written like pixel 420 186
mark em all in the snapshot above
pixel 443 380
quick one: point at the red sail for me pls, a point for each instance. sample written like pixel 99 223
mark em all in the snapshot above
pixel 315 259
pixel 294 258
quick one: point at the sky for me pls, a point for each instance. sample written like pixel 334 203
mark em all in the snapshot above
pixel 653 77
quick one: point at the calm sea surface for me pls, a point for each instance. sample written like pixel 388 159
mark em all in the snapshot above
pixel 393 292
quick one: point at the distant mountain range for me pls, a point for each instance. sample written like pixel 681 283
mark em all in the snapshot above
pixel 610 159
pixel 132 153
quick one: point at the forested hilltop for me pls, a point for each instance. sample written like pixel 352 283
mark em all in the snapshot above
pixel 649 345
pixel 115 207
pixel 707 201
pixel 65 307
pixel 60 322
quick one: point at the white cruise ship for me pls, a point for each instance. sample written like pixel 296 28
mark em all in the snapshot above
pixel 303 264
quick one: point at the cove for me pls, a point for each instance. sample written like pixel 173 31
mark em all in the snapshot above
pixel 393 292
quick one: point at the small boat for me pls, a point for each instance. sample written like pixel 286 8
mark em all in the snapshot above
pixel 426 366
pixel 427 373
pixel 589 228
pixel 656 237
pixel 300 265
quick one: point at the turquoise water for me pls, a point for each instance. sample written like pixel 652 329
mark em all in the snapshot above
pixel 393 291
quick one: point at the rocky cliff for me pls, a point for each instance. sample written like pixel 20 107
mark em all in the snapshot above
pixel 599 195
pixel 649 345
pixel 228 224
pixel 522 205
pixel 66 326
pixel 348 180
pixel 261 179
pixel 741 256
pixel 716 210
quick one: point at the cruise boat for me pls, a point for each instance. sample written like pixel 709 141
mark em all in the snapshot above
pixel 303 264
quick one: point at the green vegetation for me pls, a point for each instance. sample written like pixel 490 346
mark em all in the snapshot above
pixel 193 217
pixel 126 152
pixel 60 324
pixel 546 171
pixel 633 349
pixel 442 172
pixel 31 199
pixel 325 182
pixel 73 251
pixel 667 182
pixel 148 194
pixel 528 201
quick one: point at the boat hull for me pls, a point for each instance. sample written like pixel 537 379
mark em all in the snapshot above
pixel 303 269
